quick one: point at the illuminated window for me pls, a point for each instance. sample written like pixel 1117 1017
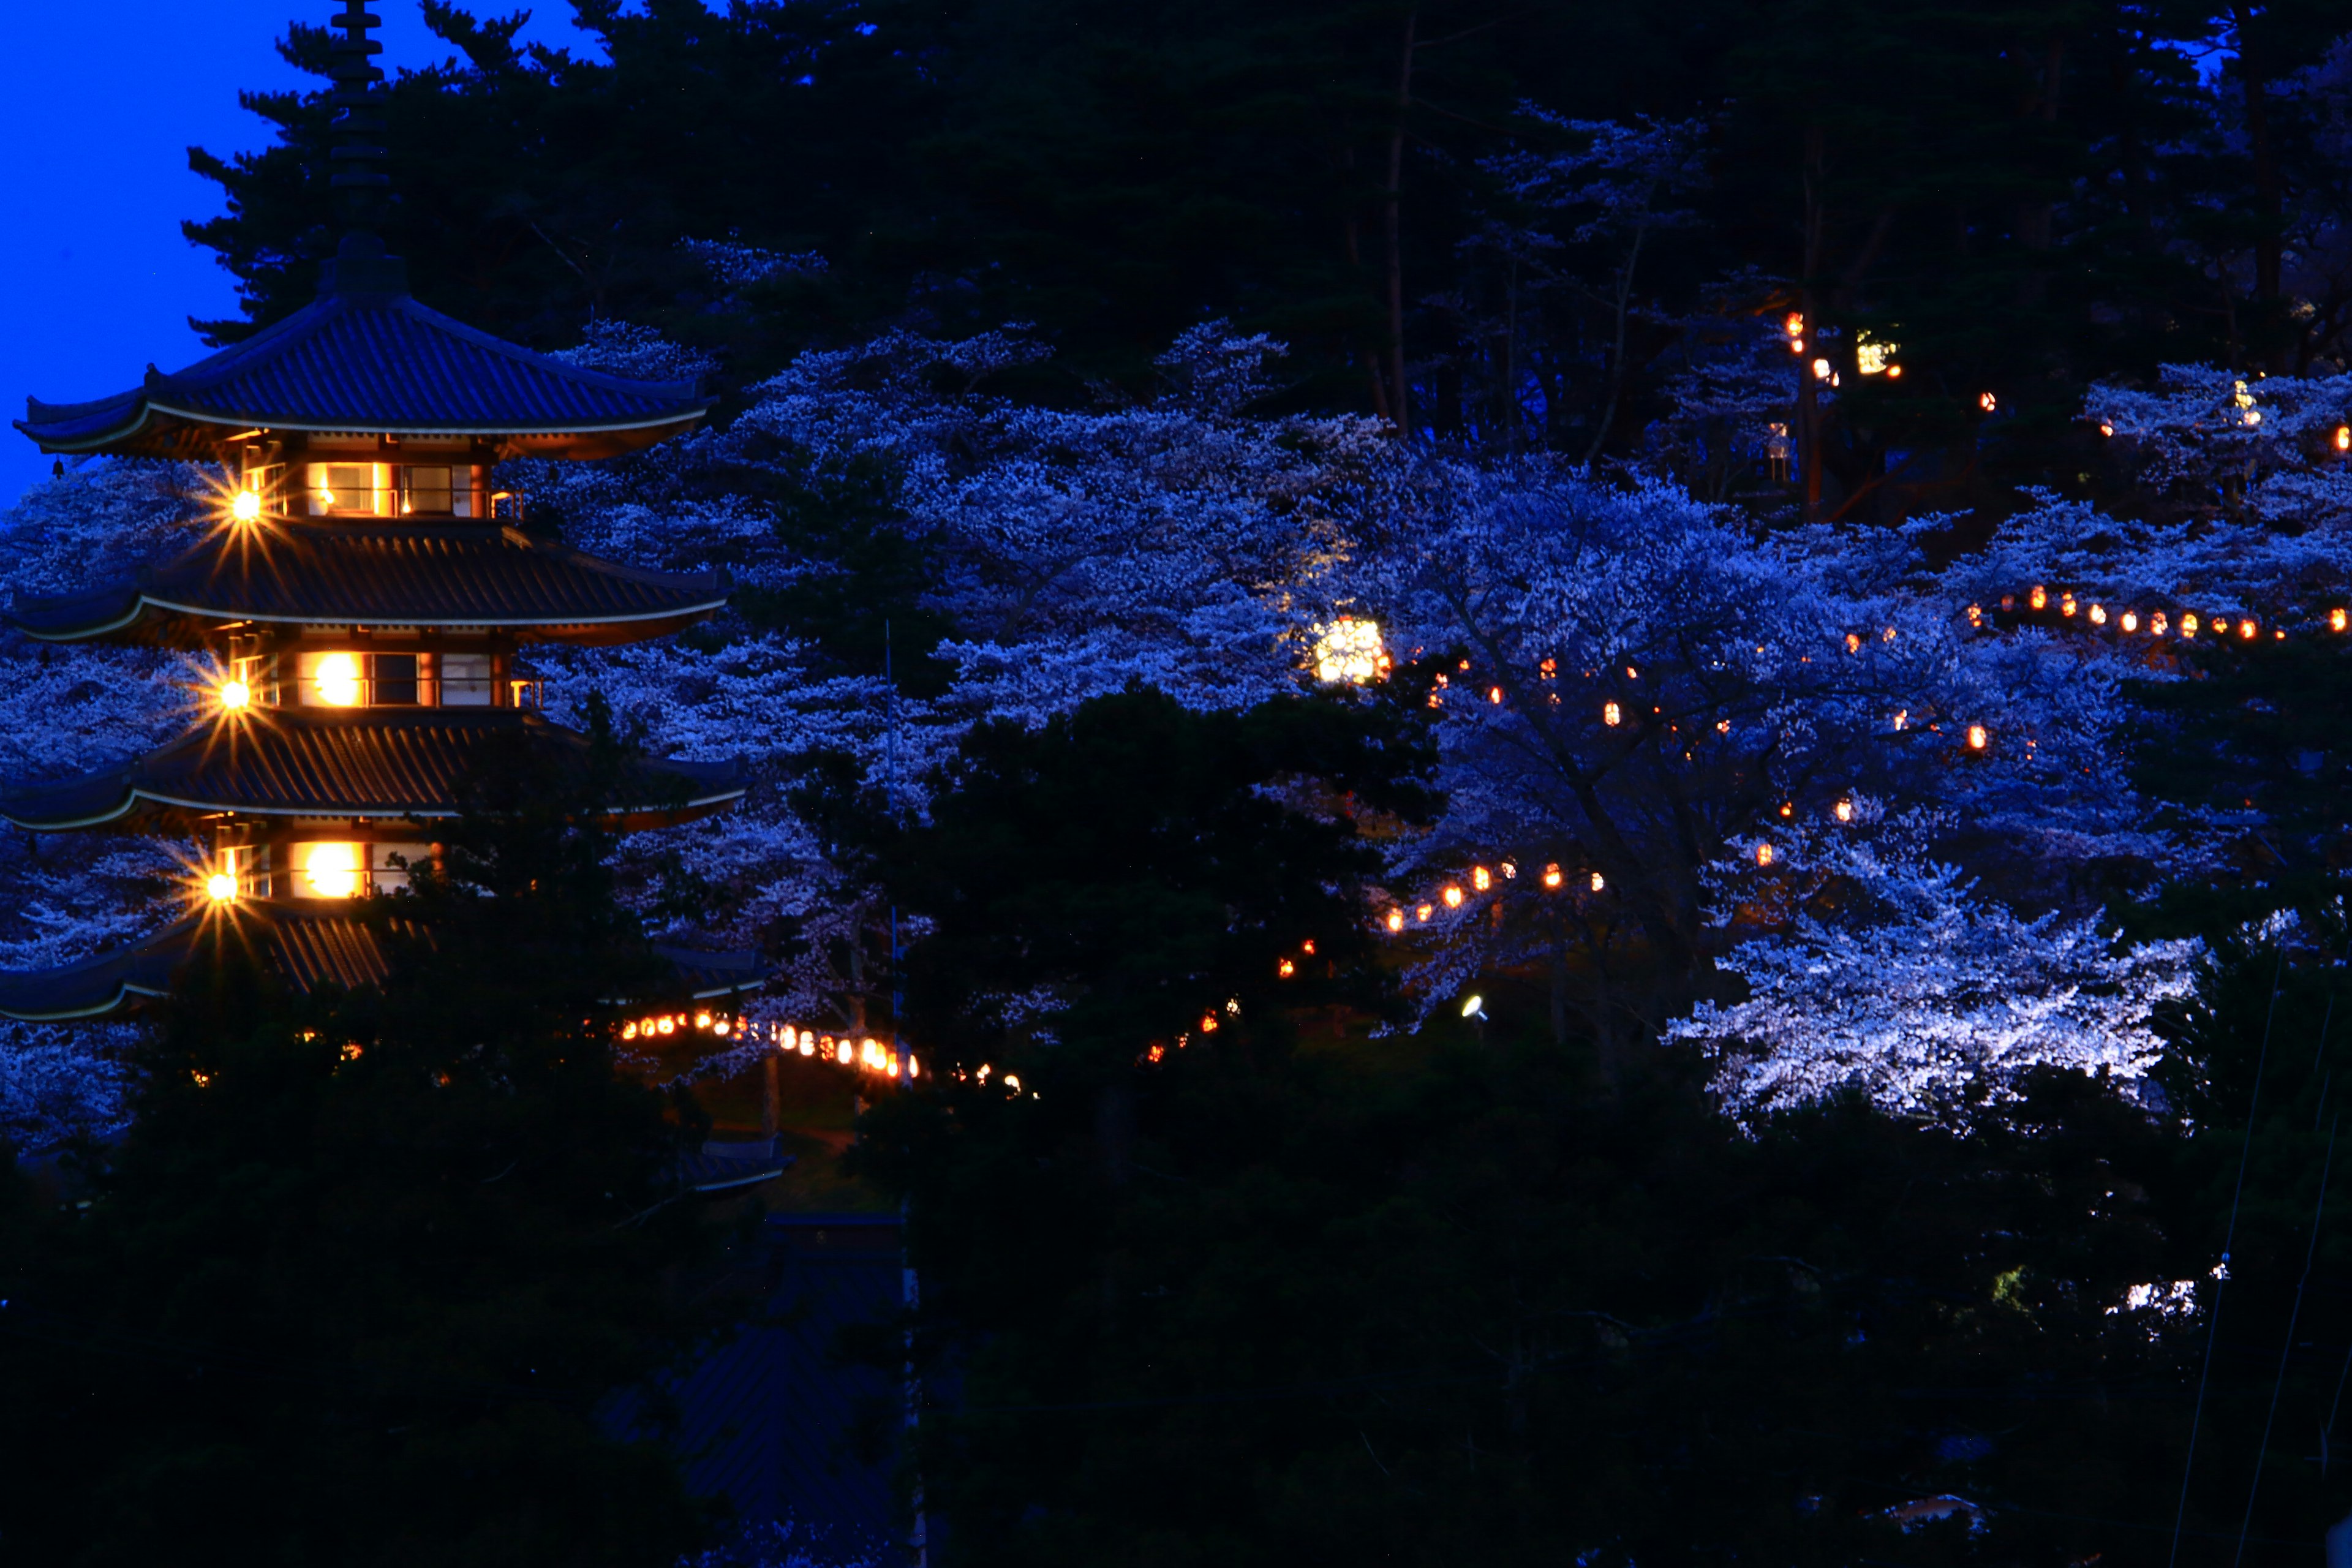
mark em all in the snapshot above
pixel 432 490
pixel 327 871
pixel 333 679
pixel 389 864
pixel 345 680
pixel 347 490
pixel 466 679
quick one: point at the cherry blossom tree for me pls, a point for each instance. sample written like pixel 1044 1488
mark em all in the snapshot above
pixel 1886 974
pixel 63 711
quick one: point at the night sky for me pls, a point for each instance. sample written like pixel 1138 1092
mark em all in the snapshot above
pixel 99 104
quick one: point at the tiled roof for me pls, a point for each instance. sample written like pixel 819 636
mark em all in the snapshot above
pixel 94 987
pixel 368 362
pixel 310 946
pixel 380 575
pixel 707 975
pixel 311 763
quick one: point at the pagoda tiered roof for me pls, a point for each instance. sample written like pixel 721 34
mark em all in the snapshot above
pixel 335 764
pixel 365 358
pixel 309 946
pixel 475 576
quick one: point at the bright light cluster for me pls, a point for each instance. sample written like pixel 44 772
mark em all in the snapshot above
pixel 2188 623
pixel 662 1026
pixel 1348 652
pixel 867 1055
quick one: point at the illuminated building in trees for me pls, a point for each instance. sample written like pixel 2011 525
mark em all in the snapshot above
pixel 365 592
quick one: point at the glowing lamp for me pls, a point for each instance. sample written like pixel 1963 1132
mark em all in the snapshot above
pixel 1977 737
pixel 1611 714
pixel 1396 919
pixel 2188 626
pixel 1895 372
pixel 1475 1006
pixel 2130 621
pixel 1599 881
pixel 2098 615
pixel 1975 614
pixel 1844 809
pixel 2156 623
pixel 1795 325
pixel 668 1026
pixel 845 1053
pixel 1422 913
pixel 1348 652
pixel 2105 428
pixel 335 681
pixel 1872 358
pixel 1988 402
pixel 1852 643
pixel 220 886
pixel 235 696
pixel 1763 854
pixel 1285 969
pixel 2066 604
pixel 1822 370
pixel 2336 620
pixel 2344 437
pixel 1481 878
pixel 329 870
pixel 1452 897
pixel 2039 598
pixel 1012 1083
pixel 2246 628
pixel 247 507
pixel 1551 876
pixel 808 1044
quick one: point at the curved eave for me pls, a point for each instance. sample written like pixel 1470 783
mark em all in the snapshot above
pixel 596 631
pixel 308 942
pixel 124 998
pixel 154 808
pixel 103 985
pixel 588 438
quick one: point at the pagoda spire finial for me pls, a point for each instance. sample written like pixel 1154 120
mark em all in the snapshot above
pixel 356 160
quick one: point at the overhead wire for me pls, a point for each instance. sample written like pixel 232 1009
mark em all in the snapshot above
pixel 2222 1277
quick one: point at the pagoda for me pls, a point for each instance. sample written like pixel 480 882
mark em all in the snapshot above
pixel 363 595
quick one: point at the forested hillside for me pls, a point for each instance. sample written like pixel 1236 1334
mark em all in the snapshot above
pixel 1597 751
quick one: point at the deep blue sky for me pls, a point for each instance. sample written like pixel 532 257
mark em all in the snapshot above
pixel 100 101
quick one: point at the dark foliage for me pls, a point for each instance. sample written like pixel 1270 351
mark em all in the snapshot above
pixel 2026 201
pixel 352 1286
